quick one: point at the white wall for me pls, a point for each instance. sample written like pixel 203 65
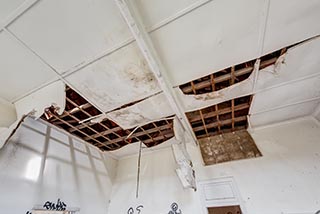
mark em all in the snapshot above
pixel 285 180
pixel 7 113
pixel 317 113
pixel 159 187
pixel 41 164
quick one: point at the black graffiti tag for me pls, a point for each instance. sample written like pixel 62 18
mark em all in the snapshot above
pixel 139 208
pixel 132 211
pixel 174 209
pixel 59 206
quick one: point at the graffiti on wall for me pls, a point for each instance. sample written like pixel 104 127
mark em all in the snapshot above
pixel 59 206
pixel 174 209
pixel 137 210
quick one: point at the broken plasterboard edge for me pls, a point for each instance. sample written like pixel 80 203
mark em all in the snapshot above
pixel 196 102
pixel 144 112
pixel 34 105
pixel 298 62
pixel 7 133
pixel 185 171
pixel 50 95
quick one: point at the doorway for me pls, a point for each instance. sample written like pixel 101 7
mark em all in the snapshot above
pixel 225 210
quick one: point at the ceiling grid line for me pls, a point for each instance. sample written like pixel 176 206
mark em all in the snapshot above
pixel 288 105
pixel 288 82
pixel 27 5
pixel 46 63
pixel 263 28
pixel 145 44
pixel 178 15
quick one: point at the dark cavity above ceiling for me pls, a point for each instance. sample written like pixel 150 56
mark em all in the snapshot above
pixel 229 76
pixel 224 117
pixel 106 135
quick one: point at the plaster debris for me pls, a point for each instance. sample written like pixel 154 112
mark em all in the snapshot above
pixel 228 147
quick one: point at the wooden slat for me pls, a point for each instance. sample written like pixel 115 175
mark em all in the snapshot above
pixel 221 123
pixel 137 134
pixel 200 111
pixel 74 110
pixel 219 112
pixel 224 131
pixel 226 77
pixel 232 101
pixel 167 136
pixel 100 143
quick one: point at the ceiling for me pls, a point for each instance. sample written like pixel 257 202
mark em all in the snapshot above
pixel 88 45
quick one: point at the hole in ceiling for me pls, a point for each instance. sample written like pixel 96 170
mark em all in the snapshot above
pixel 229 76
pixel 221 131
pixel 106 135
pixel 224 117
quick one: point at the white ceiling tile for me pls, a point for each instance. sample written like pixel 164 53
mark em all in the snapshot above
pixel 7 7
pixel 300 61
pixel 283 114
pixel 217 35
pixel 156 11
pixel 20 70
pixel 287 94
pixel 141 113
pixel 68 33
pixel 291 21
pixel 116 80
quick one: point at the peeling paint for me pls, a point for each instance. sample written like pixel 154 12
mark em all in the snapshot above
pixel 209 96
pixel 196 102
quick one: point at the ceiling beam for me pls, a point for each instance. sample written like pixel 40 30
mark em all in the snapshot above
pixel 142 37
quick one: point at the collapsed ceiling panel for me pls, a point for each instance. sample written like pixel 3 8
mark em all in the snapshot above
pixel 17 65
pixel 198 43
pixel 105 134
pixel 296 25
pixel 75 35
pixel 228 147
pixel 221 118
pixel 229 76
pixel 143 112
pixel 116 80
pixel 227 84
